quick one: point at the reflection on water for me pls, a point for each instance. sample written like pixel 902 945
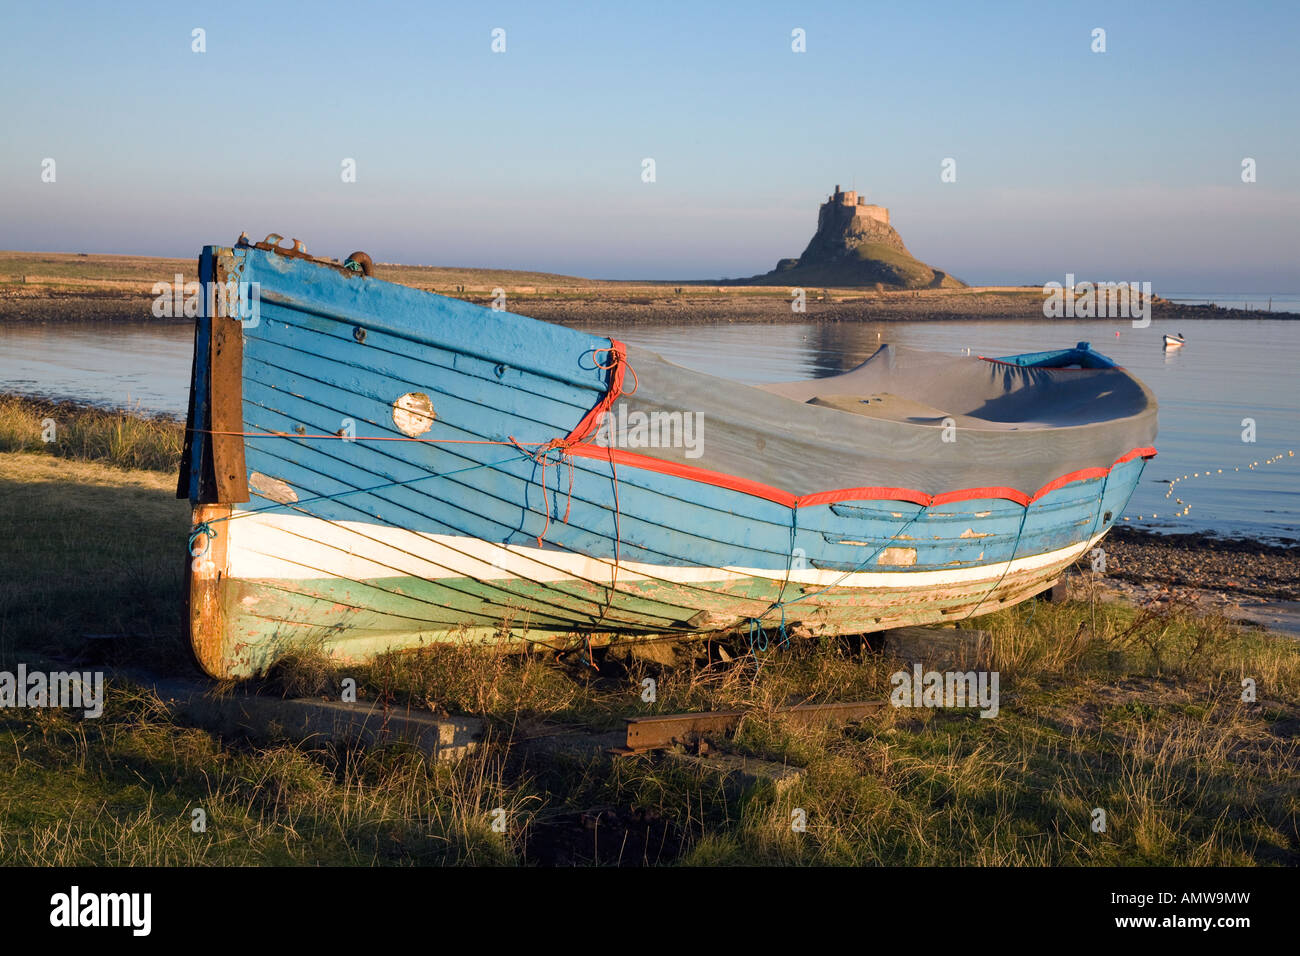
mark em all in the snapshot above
pixel 1228 372
pixel 130 365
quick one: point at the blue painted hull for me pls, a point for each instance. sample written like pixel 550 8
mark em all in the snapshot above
pixel 474 529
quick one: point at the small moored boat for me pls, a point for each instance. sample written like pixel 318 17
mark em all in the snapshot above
pixel 372 467
pixel 1174 341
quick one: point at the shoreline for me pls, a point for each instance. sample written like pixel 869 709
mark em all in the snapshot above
pixel 1245 580
pixel 49 288
pixel 1219 560
pixel 600 307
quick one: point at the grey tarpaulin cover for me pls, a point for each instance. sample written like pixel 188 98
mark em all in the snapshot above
pixel 883 423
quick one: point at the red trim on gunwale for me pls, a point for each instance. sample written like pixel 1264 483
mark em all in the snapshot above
pixel 690 472
pixel 617 362
pixel 782 497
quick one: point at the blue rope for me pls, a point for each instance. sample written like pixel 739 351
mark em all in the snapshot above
pixel 758 639
pixel 1005 571
pixel 207 532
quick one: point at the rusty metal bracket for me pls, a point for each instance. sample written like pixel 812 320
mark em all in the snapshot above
pixel 667 730
pixel 358 264
pixel 298 249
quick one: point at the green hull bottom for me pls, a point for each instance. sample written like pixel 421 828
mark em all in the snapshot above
pixel 351 621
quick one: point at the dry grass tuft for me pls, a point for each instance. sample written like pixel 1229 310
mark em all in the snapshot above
pixel 123 438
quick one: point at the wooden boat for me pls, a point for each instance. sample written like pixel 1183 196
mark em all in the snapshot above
pixel 1174 342
pixel 373 467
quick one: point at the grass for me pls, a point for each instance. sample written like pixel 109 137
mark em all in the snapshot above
pixel 1134 712
pixel 1186 774
pixel 123 790
pixel 32 273
pixel 68 430
pixel 90 548
pixel 72 271
pixel 66 271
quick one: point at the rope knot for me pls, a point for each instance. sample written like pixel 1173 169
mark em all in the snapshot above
pixel 207 532
pixel 542 456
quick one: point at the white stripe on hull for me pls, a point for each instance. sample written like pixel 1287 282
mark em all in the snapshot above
pixel 300 547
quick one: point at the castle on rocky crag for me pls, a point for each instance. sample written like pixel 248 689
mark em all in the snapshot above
pixel 855 245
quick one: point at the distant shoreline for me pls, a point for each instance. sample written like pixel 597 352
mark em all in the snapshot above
pixel 601 307
pixel 60 287
pixel 890 307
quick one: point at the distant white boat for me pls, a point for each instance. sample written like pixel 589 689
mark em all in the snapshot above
pixel 1175 342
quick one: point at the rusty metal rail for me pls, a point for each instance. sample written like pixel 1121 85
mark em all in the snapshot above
pixel 666 730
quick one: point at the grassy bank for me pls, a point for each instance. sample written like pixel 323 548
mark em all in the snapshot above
pixel 81 432
pixel 1137 713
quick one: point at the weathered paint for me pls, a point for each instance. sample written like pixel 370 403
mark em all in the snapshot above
pixel 413 414
pixel 353 617
pixel 395 543
pixel 208 593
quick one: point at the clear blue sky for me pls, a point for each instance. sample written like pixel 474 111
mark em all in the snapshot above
pixel 1123 166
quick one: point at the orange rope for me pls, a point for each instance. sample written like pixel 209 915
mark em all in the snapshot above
pixel 617 357
pixel 542 457
pixel 616 366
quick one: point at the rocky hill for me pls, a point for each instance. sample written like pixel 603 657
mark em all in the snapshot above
pixel 856 246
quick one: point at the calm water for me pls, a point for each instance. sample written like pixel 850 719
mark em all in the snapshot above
pixel 1228 371
pixel 1253 301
